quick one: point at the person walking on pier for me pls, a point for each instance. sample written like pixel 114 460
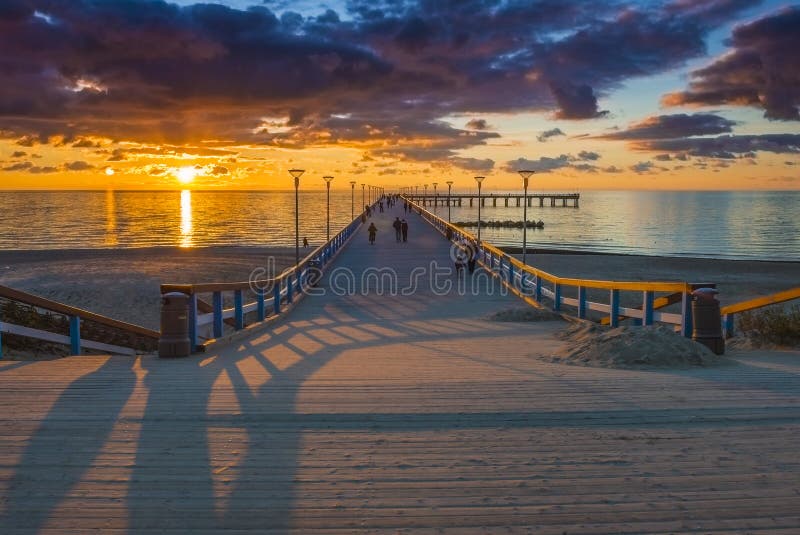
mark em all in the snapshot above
pixel 404 229
pixel 372 231
pixel 398 234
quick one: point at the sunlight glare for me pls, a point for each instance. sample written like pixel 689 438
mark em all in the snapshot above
pixel 187 174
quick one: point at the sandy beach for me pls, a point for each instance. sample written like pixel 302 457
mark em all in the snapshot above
pixel 124 283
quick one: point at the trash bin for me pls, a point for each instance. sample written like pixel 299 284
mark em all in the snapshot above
pixel 174 340
pixel 706 321
pixel 314 274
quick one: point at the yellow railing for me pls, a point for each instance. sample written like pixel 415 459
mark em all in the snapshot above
pixel 728 312
pixel 533 284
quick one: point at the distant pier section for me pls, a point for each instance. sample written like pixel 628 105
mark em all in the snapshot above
pixel 571 200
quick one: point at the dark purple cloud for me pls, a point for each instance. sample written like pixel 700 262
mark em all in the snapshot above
pixel 673 126
pixel 761 70
pixel 154 72
pixel 727 147
pixel 547 134
pixel 477 124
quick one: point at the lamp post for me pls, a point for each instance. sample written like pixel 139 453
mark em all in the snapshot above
pixel 363 199
pixel 449 189
pixel 435 200
pixel 328 179
pixel 352 200
pixel 479 180
pixel 296 173
pixel 525 174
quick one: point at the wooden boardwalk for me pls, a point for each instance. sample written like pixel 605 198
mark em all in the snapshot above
pixel 388 413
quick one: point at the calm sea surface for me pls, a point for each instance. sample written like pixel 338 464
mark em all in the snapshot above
pixel 753 225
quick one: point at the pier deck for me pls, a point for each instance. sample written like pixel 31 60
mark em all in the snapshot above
pixel 392 412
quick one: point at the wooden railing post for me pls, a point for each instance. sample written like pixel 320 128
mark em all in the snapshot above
pixel 276 297
pixel 686 315
pixel 647 307
pixel 727 325
pixel 75 335
pixel 582 302
pixel 613 320
pixel 261 305
pixel 193 322
pixel 289 288
pixel 217 311
pixel 538 292
pixel 557 297
pixel 238 309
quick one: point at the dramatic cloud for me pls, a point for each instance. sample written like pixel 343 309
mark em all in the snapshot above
pixel 547 134
pixel 153 72
pixel 729 147
pixel 477 124
pixel 673 126
pixel 473 164
pixel 542 165
pixel 587 155
pixel 642 167
pixel 78 166
pixel 762 70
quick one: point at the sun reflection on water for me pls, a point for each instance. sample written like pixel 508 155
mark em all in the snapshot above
pixel 186 219
pixel 110 238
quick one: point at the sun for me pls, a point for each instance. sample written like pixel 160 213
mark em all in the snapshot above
pixel 187 174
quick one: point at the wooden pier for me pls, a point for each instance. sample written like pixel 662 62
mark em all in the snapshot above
pixel 379 410
pixel 490 199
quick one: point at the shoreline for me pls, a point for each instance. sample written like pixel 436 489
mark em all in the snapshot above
pixel 125 283
pixel 46 255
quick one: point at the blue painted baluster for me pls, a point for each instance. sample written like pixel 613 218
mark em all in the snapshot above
pixel 217 309
pixel 238 307
pixel 647 307
pixel 614 319
pixel 193 322
pixel 538 291
pixel 582 302
pixel 261 311
pixel 289 288
pixel 276 296
pixel 686 315
pixel 75 335
pixel 299 281
pixel 557 297
pixel 727 325
pixel 511 280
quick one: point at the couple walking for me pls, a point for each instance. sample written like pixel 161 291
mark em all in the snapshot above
pixel 400 229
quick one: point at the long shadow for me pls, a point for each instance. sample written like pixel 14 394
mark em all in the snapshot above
pixel 66 443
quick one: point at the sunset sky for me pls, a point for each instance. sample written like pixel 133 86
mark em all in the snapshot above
pixel 607 94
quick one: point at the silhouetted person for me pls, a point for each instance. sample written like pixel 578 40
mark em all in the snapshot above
pixel 305 242
pixel 404 229
pixel 472 256
pixel 380 207
pixel 372 231
pixel 398 233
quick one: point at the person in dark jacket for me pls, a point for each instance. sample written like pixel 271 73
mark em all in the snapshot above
pixel 372 231
pixel 404 229
pixel 398 234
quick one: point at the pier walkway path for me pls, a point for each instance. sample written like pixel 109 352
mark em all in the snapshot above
pixel 386 412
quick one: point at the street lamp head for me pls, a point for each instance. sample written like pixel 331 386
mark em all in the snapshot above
pixel 327 178
pixel 352 183
pixel 525 174
pixel 449 182
pixel 297 173
pixel 479 179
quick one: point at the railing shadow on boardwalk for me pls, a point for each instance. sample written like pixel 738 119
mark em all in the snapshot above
pixel 59 454
pixel 266 429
